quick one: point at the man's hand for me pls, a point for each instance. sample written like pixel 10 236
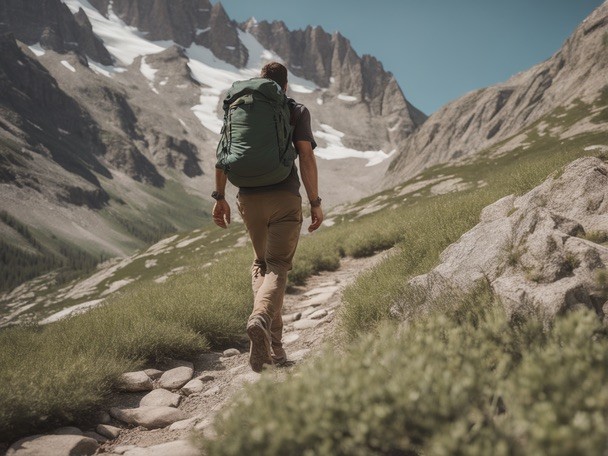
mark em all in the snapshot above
pixel 316 215
pixel 221 213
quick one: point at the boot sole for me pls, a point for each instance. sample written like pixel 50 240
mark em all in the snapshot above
pixel 260 348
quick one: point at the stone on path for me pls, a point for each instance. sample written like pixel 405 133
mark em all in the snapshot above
pixel 176 378
pixel 54 445
pixel 318 314
pixel 149 417
pixel 315 300
pixel 176 448
pixel 292 317
pixel 160 398
pixel 154 374
pixel 299 355
pixel 306 324
pixel 110 432
pixel 231 352
pixel 133 382
pixel 319 290
pixel 290 338
pixel 183 425
pixel 192 387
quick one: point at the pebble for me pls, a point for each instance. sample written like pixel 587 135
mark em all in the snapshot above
pixel 154 374
pixel 192 387
pixel 176 378
pixel 306 324
pixel 318 314
pixel 292 317
pixel 110 432
pixel 231 352
pixel 149 417
pixel 134 382
pixel 160 398
pixel 315 300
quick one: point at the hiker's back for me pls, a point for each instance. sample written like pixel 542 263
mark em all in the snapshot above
pixel 256 147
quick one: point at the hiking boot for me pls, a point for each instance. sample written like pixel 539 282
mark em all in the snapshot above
pixel 278 354
pixel 259 352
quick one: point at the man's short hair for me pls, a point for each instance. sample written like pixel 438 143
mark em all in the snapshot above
pixel 276 72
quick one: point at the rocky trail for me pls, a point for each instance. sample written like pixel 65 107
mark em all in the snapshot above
pixel 161 407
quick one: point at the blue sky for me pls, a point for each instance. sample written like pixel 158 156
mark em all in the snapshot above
pixel 437 49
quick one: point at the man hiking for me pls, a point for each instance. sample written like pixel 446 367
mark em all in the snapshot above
pixel 261 124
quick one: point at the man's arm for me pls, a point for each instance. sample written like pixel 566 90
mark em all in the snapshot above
pixel 221 209
pixel 308 170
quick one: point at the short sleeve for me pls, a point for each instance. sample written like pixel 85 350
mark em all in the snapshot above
pixel 302 130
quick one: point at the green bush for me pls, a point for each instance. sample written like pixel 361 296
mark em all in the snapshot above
pixel 466 380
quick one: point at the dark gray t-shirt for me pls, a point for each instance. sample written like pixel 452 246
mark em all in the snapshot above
pixel 300 119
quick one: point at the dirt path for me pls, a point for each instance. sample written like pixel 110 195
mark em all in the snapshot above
pixel 310 321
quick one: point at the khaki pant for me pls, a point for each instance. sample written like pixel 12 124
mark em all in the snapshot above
pixel 273 220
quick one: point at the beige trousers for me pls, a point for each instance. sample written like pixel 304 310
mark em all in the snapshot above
pixel 273 220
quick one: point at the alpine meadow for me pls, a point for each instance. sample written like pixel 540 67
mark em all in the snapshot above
pixel 453 302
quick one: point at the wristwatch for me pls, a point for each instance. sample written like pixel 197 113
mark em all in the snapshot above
pixel 315 202
pixel 217 196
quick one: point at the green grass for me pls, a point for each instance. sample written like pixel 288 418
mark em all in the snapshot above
pixel 59 373
pixel 463 380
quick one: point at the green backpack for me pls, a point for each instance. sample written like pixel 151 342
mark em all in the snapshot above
pixel 256 147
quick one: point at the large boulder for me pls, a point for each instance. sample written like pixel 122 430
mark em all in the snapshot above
pixel 53 445
pixel 544 251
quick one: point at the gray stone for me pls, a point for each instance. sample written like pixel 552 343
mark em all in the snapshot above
pixel 110 432
pixel 149 417
pixel 160 398
pixel 231 352
pixel 154 374
pixel 134 382
pixel 104 417
pixel 315 300
pixel 318 314
pixel 68 430
pixel 176 448
pixel 531 249
pixel 290 338
pixel 292 317
pixel 306 324
pixel 184 425
pixel 53 445
pixel 176 378
pixel 192 387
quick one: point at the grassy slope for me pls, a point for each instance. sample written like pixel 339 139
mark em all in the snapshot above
pixel 208 305
pixel 443 384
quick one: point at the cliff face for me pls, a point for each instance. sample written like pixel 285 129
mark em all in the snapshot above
pixel 50 23
pixel 182 21
pixel 330 61
pixel 484 117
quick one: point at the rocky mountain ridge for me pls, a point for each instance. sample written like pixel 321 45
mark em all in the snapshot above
pixel 110 112
pixel 485 117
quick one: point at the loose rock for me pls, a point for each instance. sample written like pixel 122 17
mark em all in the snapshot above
pixel 110 432
pixel 192 387
pixel 231 352
pixel 149 417
pixel 160 398
pixel 318 314
pixel 184 425
pixel 54 445
pixel 306 324
pixel 95 436
pixel 154 374
pixel 176 378
pixel 134 382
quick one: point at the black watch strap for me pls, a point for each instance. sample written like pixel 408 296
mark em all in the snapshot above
pixel 217 196
pixel 315 202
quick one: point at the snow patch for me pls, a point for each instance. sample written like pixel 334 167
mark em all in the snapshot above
pixel 66 64
pixel 115 286
pixel 74 310
pixel 336 150
pixel 37 50
pixel 147 70
pixel 348 98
